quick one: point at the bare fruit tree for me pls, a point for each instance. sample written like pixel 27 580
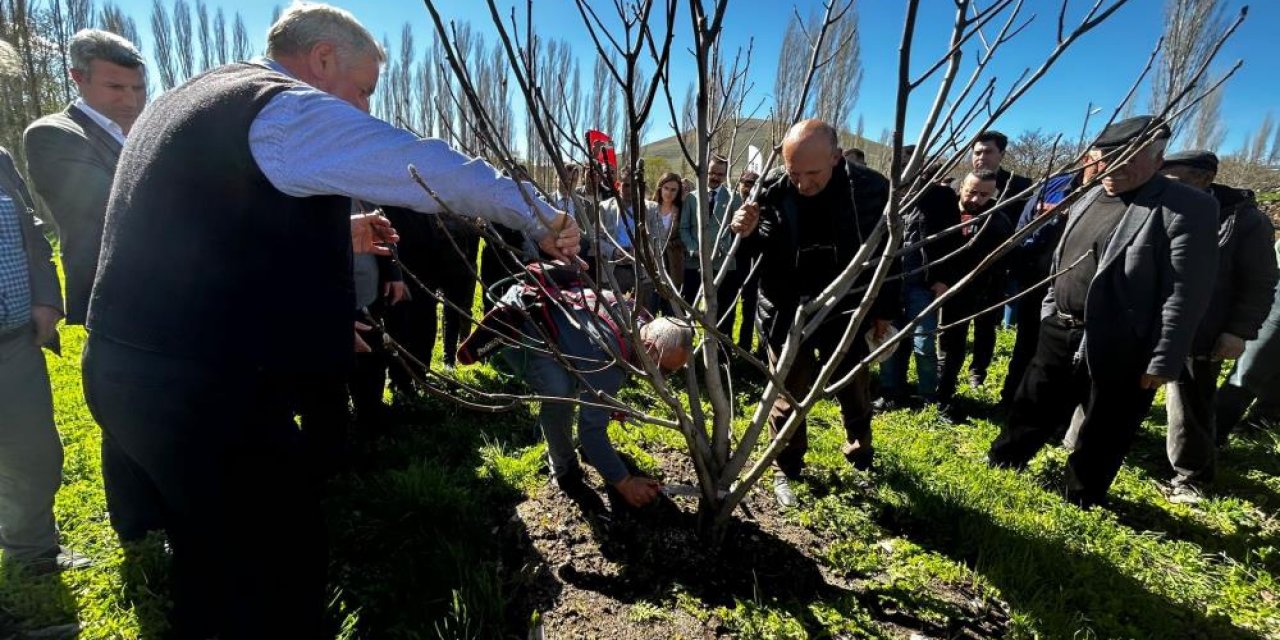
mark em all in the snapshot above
pixel 727 443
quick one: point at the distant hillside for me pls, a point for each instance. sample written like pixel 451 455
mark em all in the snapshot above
pixel 666 153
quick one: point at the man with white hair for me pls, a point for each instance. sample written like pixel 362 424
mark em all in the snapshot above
pixel 1140 257
pixel 225 287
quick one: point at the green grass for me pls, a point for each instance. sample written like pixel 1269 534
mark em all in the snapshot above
pixel 932 541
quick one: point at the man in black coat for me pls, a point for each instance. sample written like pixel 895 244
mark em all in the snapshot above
pixel 1141 251
pixel 807 225
pixel 970 246
pixel 1242 297
pixel 987 154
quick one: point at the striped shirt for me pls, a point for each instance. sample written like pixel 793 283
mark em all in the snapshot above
pixel 15 280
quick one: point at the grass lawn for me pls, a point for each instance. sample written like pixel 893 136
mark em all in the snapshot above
pixel 444 527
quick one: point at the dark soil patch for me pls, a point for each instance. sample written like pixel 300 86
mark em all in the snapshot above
pixel 595 572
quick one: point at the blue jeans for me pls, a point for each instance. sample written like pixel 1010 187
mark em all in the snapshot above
pixel 549 378
pixel 893 372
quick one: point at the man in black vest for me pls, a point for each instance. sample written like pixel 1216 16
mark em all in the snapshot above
pixel 193 362
pixel 1138 256
pixel 807 225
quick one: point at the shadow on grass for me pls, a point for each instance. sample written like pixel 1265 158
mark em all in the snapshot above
pixel 415 550
pixel 36 605
pixel 1149 454
pixel 1064 590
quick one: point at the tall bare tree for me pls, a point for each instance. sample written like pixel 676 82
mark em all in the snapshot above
pixel 204 28
pixel 112 18
pixel 1257 145
pixel 183 40
pixel 241 49
pixel 1191 29
pixel 1207 128
pixel 220 37
pixel 165 51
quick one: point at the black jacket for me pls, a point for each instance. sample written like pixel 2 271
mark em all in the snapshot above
pixel 861 195
pixel 1247 273
pixel 1153 282
pixel 935 211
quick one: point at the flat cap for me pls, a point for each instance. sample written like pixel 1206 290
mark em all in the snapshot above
pixel 1194 158
pixel 1120 133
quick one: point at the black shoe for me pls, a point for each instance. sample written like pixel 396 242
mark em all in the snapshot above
pixel 782 491
pixel 885 403
pixel 858 455
pixel 57 560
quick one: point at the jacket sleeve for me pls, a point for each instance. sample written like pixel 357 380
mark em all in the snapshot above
pixel 43 276
pixel 689 224
pixel 1256 272
pixel 73 182
pixel 1191 225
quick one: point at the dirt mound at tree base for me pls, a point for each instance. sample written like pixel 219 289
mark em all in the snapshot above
pixel 596 572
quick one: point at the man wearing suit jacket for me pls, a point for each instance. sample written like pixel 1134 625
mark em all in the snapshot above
pixel 724 202
pixel 72 154
pixel 30 452
pixel 1143 254
pixel 71 157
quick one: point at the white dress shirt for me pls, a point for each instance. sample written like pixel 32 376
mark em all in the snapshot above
pixel 106 123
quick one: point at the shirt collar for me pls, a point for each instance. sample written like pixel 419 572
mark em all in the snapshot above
pixel 106 123
pixel 272 65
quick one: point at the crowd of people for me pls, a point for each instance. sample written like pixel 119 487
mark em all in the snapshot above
pixel 223 397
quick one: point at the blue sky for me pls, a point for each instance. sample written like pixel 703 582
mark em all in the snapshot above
pixel 1099 69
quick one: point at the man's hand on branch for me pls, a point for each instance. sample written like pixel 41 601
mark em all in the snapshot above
pixel 395 292
pixel 1228 347
pixel 370 232
pixel 939 288
pixel 360 345
pixel 46 320
pixel 1149 381
pixel 563 241
pixel 638 491
pixel 745 219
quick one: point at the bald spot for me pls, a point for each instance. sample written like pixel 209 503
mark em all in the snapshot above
pixel 810 152
pixel 807 135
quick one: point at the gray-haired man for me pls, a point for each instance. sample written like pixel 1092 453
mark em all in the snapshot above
pixel 1242 297
pixel 71 158
pixel 225 287
pixel 1141 251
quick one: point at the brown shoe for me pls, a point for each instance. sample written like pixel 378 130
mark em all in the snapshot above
pixel 858 455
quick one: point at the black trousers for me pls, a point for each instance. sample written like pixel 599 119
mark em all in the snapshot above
pixel 953 343
pixel 133 502
pixel 414 323
pixel 243 510
pixel 854 398
pixel 1054 385
pixel 726 297
pixel 1191 442
pixel 1024 344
